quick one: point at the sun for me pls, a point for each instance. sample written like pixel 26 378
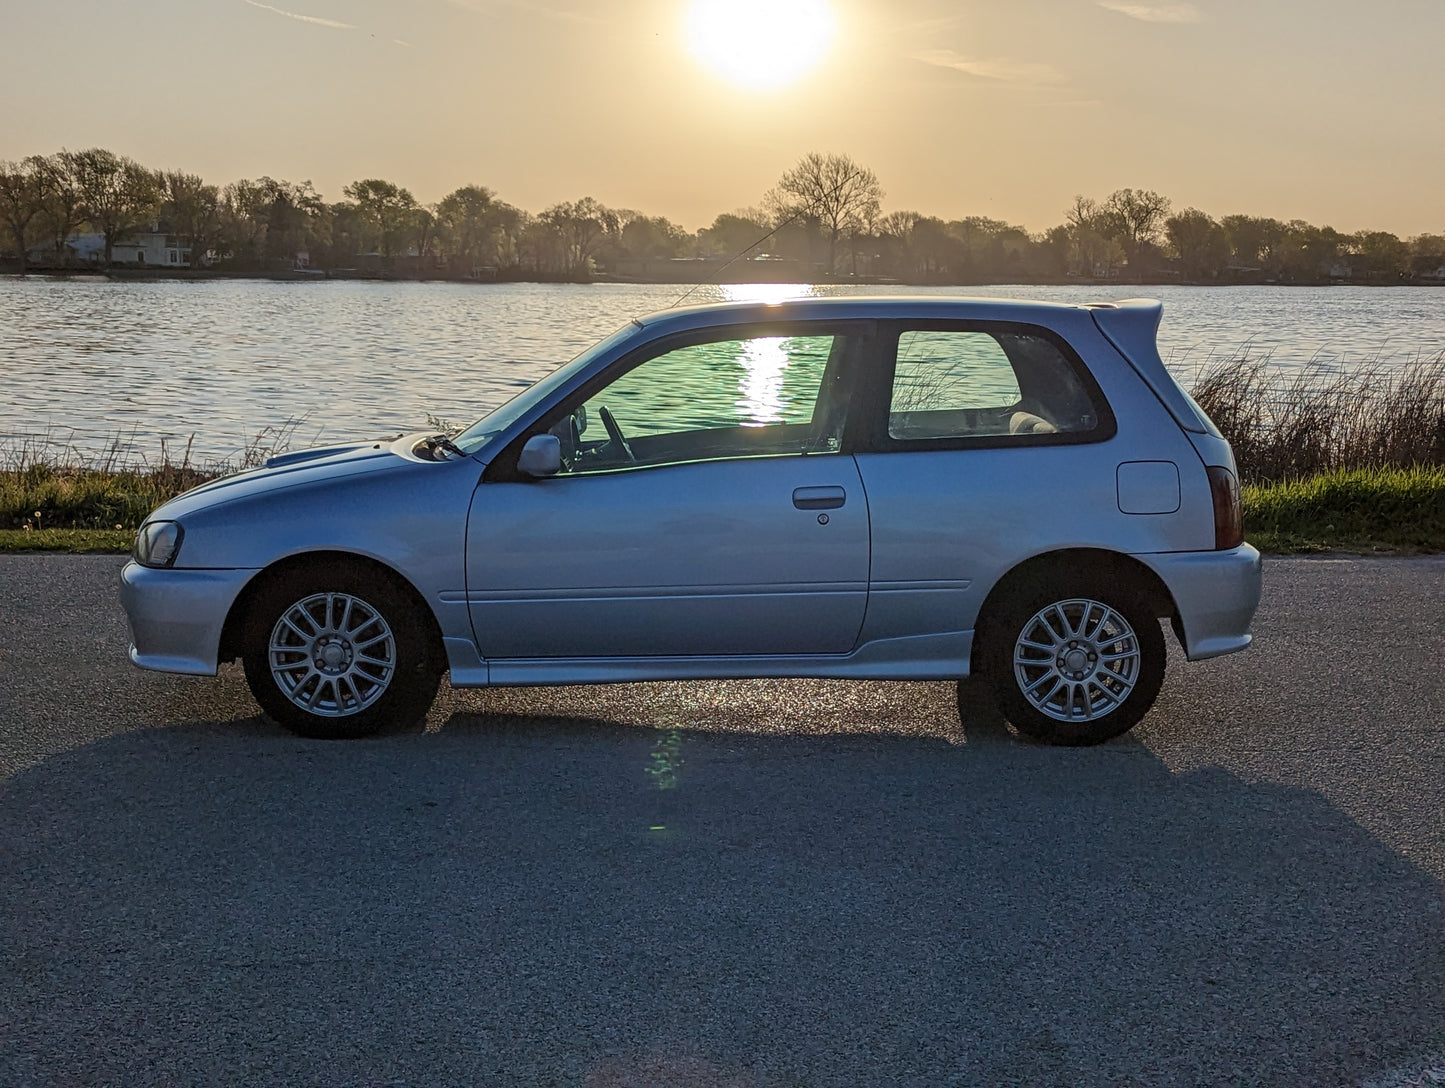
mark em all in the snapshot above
pixel 760 45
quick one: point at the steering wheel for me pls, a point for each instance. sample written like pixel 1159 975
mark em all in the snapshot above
pixel 614 433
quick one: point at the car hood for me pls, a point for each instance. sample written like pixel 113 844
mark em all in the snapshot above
pixel 293 470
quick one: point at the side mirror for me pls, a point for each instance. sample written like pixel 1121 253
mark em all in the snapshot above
pixel 541 456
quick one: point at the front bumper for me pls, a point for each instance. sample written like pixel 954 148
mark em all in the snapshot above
pixel 176 616
pixel 1216 594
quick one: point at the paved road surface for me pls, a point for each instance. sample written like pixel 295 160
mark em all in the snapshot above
pixel 729 883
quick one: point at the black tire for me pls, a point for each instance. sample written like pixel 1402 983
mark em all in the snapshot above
pixel 1077 672
pixel 354 696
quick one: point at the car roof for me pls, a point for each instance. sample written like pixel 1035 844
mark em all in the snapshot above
pixel 879 307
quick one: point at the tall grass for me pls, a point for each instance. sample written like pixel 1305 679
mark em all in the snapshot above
pixel 1313 421
pixel 47 483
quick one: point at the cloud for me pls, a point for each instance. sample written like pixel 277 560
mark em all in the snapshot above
pixel 303 18
pixel 1000 68
pixel 1154 11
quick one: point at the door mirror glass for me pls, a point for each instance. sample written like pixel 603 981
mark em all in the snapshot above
pixel 541 456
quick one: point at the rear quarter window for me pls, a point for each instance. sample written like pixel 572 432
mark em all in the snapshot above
pixel 1001 386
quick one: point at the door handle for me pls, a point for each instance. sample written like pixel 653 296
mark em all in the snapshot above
pixel 819 498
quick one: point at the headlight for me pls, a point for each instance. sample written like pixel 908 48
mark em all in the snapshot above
pixel 158 543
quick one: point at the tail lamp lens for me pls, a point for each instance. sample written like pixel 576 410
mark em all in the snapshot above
pixel 1228 509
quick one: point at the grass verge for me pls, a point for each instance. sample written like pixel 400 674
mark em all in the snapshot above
pixel 114 541
pixel 1358 510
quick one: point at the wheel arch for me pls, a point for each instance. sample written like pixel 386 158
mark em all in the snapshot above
pixel 240 617
pixel 1082 564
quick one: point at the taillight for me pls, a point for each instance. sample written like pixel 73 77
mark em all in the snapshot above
pixel 1228 509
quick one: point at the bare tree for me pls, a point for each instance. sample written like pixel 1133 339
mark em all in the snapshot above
pixel 840 194
pixel 20 203
pixel 1094 237
pixel 1083 212
pixel 1137 215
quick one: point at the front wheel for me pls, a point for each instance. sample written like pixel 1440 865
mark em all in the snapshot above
pixel 338 654
pixel 1074 665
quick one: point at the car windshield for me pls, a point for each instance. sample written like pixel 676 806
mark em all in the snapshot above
pixel 499 419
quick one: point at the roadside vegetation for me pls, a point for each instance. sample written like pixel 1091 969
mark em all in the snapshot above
pixel 1287 427
pixel 1361 510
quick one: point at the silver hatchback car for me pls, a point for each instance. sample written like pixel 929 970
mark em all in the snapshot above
pixel 875 488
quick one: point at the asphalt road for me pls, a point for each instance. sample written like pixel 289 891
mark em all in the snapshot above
pixel 748 883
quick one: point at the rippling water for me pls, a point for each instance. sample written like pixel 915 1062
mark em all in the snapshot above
pixel 86 362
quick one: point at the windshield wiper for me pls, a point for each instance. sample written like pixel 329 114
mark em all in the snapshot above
pixel 442 442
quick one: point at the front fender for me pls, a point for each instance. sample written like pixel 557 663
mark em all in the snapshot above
pixel 411 517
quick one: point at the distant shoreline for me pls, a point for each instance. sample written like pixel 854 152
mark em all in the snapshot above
pixel 148 274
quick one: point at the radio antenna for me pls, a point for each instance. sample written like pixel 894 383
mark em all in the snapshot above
pixel 804 210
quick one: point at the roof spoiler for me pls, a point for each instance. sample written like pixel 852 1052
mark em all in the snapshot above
pixel 1132 326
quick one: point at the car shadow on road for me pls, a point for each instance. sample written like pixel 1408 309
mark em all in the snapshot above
pixel 549 896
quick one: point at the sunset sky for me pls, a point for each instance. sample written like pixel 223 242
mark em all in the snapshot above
pixel 1326 110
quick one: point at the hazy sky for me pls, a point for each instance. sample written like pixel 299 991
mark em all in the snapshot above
pixel 1326 110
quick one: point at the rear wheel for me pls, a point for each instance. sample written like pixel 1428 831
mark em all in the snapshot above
pixel 339 652
pixel 1074 664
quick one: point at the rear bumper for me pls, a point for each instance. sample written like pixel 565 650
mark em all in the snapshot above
pixel 1216 594
pixel 176 616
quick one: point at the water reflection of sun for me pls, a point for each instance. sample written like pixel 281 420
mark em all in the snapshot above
pixel 760 45
pixel 765 292
pixel 764 361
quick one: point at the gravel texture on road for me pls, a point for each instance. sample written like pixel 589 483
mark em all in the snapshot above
pixel 742 883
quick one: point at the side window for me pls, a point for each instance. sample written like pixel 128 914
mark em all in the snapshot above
pixel 974 384
pixel 751 397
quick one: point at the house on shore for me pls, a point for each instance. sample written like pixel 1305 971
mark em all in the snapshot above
pixel 143 249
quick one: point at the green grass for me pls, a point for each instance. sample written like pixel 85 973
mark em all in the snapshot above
pixel 1359 510
pixel 66 540
pixel 46 496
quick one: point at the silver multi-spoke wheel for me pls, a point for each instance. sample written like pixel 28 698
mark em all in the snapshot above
pixel 1076 660
pixel 332 654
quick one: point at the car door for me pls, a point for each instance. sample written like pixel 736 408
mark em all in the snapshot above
pixel 986 443
pixel 704 508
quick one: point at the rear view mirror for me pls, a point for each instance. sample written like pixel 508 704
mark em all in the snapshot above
pixel 541 456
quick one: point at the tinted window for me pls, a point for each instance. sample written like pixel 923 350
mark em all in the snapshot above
pixel 726 398
pixel 973 384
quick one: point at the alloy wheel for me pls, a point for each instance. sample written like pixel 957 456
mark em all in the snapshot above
pixel 1076 660
pixel 332 654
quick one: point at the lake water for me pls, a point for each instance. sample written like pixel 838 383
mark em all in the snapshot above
pixel 88 362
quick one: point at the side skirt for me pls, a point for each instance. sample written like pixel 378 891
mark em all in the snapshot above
pixel 924 657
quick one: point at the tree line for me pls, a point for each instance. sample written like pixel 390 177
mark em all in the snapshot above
pixel 825 216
